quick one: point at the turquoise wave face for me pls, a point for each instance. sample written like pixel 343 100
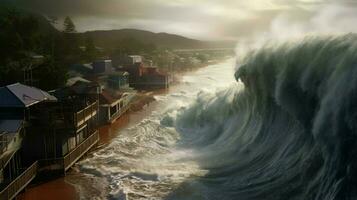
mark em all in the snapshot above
pixel 286 131
pixel 289 134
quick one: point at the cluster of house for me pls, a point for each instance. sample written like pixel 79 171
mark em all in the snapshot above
pixel 142 74
pixel 42 134
pixel 119 79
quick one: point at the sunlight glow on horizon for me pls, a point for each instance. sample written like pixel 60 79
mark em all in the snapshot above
pixel 199 19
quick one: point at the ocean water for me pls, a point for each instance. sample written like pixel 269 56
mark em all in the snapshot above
pixel 280 125
pixel 148 159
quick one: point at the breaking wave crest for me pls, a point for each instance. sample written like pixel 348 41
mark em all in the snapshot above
pixel 289 134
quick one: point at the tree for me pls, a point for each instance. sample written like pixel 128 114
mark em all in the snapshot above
pixel 18 33
pixel 134 46
pixel 90 49
pixel 68 25
pixel 71 49
pixel 53 74
pixel 53 21
pixel 21 37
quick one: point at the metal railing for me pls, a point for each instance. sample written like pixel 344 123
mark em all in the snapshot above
pixel 80 150
pixel 19 183
pixel 85 114
pixel 120 112
pixel 4 161
pixel 64 163
pixel 4 141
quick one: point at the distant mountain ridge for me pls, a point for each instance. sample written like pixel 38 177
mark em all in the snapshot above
pixel 110 39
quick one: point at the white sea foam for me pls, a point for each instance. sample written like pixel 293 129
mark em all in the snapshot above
pixel 144 161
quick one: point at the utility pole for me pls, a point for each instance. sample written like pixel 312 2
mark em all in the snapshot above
pixel 34 62
pixel 28 79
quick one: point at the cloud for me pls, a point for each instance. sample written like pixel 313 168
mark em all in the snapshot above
pixel 330 19
pixel 204 19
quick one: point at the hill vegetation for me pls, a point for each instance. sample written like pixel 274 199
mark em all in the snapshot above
pixel 25 36
pixel 110 39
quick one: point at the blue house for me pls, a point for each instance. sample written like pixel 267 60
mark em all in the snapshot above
pixel 102 66
pixel 117 80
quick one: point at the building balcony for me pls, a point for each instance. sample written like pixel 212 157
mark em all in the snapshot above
pixel 80 150
pixel 85 114
pixel 118 114
pixel 62 164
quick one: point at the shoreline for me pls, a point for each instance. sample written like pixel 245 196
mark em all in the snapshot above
pixel 66 188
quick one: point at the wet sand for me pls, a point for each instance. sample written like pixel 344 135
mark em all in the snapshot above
pixel 57 189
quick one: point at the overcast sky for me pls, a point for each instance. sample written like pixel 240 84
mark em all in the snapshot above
pixel 203 19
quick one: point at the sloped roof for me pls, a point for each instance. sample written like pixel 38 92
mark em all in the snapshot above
pixel 134 56
pixel 103 60
pixel 72 81
pixel 19 95
pixel 120 73
pixel 8 99
pixel 10 126
pixel 81 87
pixel 107 97
pixel 78 88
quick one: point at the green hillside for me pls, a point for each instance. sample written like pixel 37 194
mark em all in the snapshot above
pixel 111 38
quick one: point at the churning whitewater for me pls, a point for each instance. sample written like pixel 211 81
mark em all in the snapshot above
pixel 286 129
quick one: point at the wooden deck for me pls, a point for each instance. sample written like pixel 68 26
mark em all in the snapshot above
pixel 63 163
pixel 84 115
pixel 19 183
pixel 118 114
pixel 80 150
pixel 66 162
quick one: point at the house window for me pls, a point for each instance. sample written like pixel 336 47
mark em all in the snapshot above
pixel 113 110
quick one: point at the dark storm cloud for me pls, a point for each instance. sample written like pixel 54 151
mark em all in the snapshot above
pixel 194 18
pixel 123 8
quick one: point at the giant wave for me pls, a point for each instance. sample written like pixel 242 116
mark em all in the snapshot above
pixel 289 134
